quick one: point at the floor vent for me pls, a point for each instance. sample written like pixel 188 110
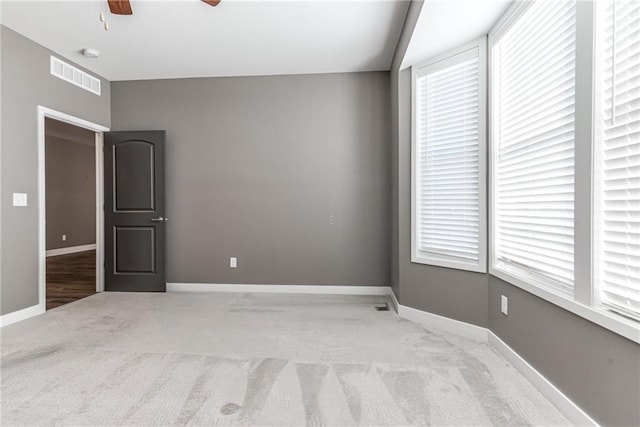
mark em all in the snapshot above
pixel 75 76
pixel 382 307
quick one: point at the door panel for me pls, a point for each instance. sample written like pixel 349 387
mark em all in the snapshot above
pixel 134 176
pixel 134 211
pixel 135 250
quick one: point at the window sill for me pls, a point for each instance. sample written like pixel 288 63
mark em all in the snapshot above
pixel 617 324
pixel 421 258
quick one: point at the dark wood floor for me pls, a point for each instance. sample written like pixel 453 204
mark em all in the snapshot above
pixel 70 278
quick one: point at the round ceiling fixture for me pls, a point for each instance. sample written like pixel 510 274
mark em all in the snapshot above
pixel 90 53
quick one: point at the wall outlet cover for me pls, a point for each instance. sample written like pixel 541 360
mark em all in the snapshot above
pixel 19 199
pixel 233 262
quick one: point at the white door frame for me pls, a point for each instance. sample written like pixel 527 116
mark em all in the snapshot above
pixel 44 112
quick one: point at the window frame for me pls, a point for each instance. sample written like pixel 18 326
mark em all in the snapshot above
pixel 584 302
pixel 539 286
pixel 436 63
pixel 597 160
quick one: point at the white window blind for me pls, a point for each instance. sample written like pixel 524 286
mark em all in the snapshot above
pixel 533 127
pixel 447 163
pixel 617 157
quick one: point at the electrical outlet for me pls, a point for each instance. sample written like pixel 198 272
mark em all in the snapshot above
pixel 20 199
pixel 64 237
pixel 504 304
pixel 233 262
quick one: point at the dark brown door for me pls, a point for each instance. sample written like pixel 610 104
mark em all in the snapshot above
pixel 134 216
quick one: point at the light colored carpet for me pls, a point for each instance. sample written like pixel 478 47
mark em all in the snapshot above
pixel 253 359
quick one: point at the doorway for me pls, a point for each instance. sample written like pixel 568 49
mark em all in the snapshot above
pixel 70 188
pixel 70 208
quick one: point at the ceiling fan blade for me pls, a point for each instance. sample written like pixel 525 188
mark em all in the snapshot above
pixel 120 7
pixel 212 2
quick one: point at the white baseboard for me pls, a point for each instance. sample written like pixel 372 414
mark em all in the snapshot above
pixel 570 410
pixel 565 405
pixel 394 300
pixel 280 289
pixel 71 250
pixel 25 313
pixel 446 324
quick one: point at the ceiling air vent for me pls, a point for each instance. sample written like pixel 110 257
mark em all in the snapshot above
pixel 73 75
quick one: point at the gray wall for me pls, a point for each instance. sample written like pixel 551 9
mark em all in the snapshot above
pixel 290 174
pixel 27 83
pixel 598 369
pixel 70 192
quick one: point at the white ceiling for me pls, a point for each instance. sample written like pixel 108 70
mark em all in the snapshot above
pixel 447 24
pixel 187 38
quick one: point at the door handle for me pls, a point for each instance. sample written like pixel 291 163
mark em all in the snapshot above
pixel 159 219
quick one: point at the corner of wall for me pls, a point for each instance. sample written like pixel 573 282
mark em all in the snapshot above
pixel 410 21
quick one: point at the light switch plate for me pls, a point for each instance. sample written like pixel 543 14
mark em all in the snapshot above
pixel 19 199
pixel 504 304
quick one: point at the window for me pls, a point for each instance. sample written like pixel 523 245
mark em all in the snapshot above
pixel 565 156
pixel 448 152
pixel 564 151
pixel 617 157
pixel 533 135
